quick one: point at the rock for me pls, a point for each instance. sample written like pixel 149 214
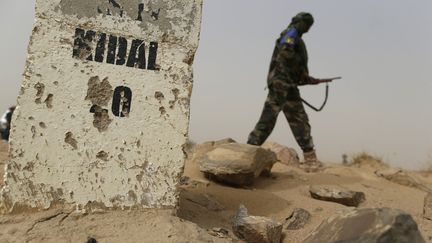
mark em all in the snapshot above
pixel 337 195
pixel 255 229
pixel 403 178
pixel 201 150
pixel 427 211
pixel 184 180
pixel 236 164
pixel 285 155
pixel 368 225
pixel 224 141
pixel 298 219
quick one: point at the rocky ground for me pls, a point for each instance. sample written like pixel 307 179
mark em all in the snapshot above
pixel 207 209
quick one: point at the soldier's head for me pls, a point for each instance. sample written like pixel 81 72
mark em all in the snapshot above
pixel 302 22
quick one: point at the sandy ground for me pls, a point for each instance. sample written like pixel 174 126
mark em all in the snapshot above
pixel 205 205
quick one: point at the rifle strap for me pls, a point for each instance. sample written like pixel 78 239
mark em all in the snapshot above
pixel 323 105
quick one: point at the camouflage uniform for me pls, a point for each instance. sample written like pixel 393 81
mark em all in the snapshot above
pixel 288 69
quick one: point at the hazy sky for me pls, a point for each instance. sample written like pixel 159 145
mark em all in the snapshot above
pixel 381 48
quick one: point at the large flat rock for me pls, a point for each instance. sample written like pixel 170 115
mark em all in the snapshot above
pixel 103 111
pixel 237 164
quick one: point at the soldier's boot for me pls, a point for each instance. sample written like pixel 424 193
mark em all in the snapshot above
pixel 254 140
pixel 311 164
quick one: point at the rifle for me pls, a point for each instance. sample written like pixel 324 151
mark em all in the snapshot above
pixel 326 80
pixel 321 81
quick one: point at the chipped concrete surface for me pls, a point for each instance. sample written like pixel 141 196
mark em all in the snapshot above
pixel 40 91
pixel 69 139
pixel 99 92
pixel 102 119
pixel 67 146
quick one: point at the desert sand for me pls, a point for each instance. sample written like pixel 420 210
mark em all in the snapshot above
pixel 207 206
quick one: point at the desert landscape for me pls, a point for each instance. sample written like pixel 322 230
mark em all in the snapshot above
pixel 207 209
pixel 101 143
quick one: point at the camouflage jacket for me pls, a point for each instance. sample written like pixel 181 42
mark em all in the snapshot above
pixel 289 64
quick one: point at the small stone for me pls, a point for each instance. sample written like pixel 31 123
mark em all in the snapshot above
pixel 255 229
pixel 298 219
pixel 337 195
pixel 427 211
pixel 368 225
pixel 184 180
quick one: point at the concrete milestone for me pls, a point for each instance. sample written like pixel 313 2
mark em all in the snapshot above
pixel 103 111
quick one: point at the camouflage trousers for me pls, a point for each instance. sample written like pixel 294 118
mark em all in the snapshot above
pixel 288 101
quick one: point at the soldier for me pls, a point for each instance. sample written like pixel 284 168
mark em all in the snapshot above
pixel 288 70
pixel 5 123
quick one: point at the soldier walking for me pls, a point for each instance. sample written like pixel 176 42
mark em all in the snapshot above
pixel 288 70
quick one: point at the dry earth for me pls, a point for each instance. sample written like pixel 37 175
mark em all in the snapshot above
pixel 205 205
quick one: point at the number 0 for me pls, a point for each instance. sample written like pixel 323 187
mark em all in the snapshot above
pixel 122 101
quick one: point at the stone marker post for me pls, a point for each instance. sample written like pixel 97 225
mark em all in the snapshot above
pixel 103 111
